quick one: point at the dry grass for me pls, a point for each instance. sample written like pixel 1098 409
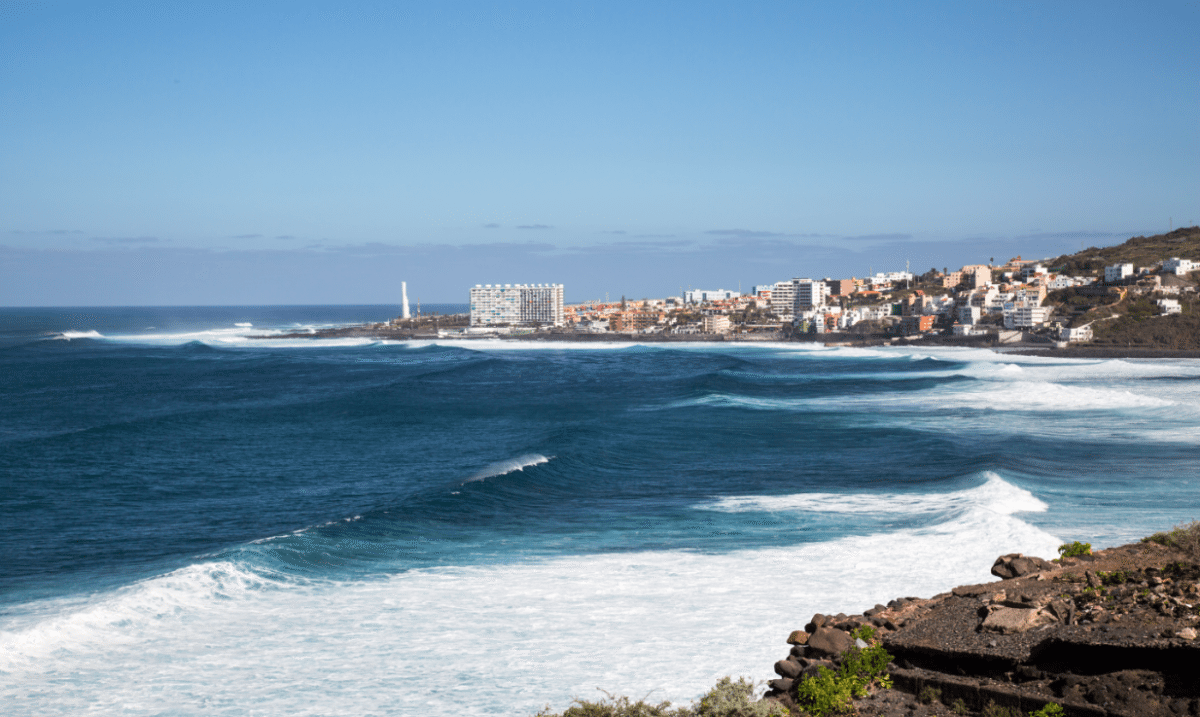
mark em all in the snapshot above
pixel 1184 538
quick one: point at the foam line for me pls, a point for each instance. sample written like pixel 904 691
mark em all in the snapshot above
pixel 995 495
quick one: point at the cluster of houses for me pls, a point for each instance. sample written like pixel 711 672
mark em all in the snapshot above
pixel 973 300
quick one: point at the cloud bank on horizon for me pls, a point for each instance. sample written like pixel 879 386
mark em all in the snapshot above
pixel 314 153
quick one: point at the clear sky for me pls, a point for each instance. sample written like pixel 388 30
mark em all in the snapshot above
pixel 298 152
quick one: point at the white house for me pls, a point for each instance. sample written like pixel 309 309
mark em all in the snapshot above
pixel 1179 267
pixel 1117 272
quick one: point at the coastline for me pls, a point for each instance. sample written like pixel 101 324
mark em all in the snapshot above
pixel 1100 634
pixel 828 340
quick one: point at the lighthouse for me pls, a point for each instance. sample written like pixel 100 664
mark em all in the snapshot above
pixel 404 300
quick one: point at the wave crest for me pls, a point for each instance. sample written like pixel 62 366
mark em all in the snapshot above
pixel 500 468
pixel 995 496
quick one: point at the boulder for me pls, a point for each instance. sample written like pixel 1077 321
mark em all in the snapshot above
pixel 1016 565
pixel 829 641
pixel 788 669
pixel 798 637
pixel 1014 620
pixel 818 620
pixel 783 684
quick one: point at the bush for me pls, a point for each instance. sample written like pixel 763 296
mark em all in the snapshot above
pixel 959 707
pixel 826 694
pixel 929 695
pixel 617 707
pixel 1052 709
pixel 831 692
pixel 1074 550
pixel 991 709
pixel 735 699
pixel 726 699
pixel 1185 537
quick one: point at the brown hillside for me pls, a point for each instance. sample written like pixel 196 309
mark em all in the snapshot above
pixel 1139 251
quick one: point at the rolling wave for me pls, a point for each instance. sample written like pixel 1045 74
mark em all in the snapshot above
pixel 994 495
pixel 499 468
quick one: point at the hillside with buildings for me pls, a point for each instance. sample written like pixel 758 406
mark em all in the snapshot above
pixel 1141 293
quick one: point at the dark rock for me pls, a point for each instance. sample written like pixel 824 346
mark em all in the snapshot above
pixel 829 641
pixel 818 620
pixel 1016 565
pixel 788 669
pixel 783 684
pixel 798 637
pixel 971 590
pixel 798 651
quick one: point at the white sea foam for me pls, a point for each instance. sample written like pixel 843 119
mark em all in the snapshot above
pixel 237 336
pixel 499 468
pixel 484 640
pixel 995 495
pixel 68 335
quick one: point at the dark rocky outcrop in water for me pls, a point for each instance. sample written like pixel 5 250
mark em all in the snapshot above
pixel 1113 633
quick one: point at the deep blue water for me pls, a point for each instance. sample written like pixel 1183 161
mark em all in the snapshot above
pixel 168 484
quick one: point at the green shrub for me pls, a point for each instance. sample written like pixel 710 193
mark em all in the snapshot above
pixel 831 692
pixel 959 707
pixel 1116 577
pixel 1074 550
pixel 929 695
pixel 825 694
pixel 1052 709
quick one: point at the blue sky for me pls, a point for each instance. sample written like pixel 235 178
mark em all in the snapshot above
pixel 280 153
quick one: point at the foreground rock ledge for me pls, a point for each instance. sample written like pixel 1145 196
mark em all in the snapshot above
pixel 1113 633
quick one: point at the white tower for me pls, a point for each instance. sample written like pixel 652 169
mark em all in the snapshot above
pixel 404 299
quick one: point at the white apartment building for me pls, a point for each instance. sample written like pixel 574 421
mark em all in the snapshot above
pixel 715 324
pixel 1179 267
pixel 889 278
pixel 699 296
pixel 783 299
pixel 969 315
pixel 810 294
pixel 1026 317
pixel 1031 270
pixel 517 305
pixel 1059 281
pixel 1117 272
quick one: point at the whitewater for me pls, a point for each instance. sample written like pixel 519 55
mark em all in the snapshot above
pixel 197 521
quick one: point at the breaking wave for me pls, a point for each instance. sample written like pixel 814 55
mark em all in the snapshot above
pixel 500 468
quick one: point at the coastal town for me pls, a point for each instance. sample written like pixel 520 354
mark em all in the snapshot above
pixel 1139 295
pixel 1056 301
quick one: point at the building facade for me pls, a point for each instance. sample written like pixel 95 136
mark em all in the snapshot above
pixel 517 305
pixel 1117 272
pixel 700 296
pixel 810 294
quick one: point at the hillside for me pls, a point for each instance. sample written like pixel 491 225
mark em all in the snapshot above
pixel 1139 251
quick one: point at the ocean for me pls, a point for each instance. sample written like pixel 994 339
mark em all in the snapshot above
pixel 197 522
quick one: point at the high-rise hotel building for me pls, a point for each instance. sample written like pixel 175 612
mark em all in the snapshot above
pixel 517 305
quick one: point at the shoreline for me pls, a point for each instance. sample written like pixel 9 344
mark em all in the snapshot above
pixel 827 340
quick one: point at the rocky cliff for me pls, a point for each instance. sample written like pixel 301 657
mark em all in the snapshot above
pixel 1110 633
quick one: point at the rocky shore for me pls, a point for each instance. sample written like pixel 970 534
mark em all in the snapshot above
pixel 1105 634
